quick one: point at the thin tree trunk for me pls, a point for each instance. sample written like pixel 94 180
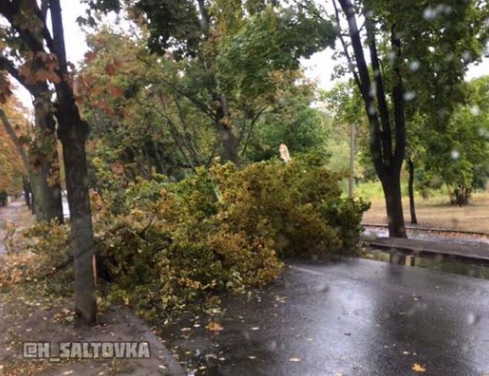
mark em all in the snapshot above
pixel 27 192
pixel 351 179
pixel 29 198
pixel 412 206
pixel 72 132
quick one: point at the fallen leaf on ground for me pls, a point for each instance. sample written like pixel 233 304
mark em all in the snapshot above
pixel 214 326
pixel 418 368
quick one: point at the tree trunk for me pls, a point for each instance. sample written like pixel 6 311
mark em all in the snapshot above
pixel 73 131
pixel 50 204
pixel 229 144
pixel 72 138
pixel 387 157
pixel 27 192
pixel 393 203
pixel 412 206
pixel 228 139
pixel 351 179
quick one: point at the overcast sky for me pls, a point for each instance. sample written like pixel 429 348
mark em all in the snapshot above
pixel 319 67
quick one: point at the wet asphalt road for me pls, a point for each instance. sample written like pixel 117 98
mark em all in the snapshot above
pixel 353 317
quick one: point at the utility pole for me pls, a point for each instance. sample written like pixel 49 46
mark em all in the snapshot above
pixel 351 180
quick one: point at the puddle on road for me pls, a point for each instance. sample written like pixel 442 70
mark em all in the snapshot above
pixel 440 263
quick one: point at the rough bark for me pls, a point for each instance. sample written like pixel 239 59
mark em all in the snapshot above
pixel 412 206
pixel 50 201
pixel 72 132
pixel 228 139
pixel 393 204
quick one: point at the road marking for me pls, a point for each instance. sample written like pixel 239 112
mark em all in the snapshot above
pixel 304 270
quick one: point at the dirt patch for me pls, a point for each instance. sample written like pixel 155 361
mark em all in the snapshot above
pixel 434 213
pixel 27 317
pixel 29 313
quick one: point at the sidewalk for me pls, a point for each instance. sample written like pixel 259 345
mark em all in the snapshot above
pixel 471 248
pixel 17 213
pixel 27 315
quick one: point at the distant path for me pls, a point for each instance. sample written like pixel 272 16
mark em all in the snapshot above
pixel 13 212
pixel 458 244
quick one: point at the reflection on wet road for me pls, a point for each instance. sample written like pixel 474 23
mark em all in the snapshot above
pixel 351 317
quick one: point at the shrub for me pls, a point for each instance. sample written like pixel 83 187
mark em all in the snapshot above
pixel 171 244
pixel 44 254
pixel 163 245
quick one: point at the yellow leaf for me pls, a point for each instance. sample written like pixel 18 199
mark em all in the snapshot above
pixel 418 368
pixel 214 326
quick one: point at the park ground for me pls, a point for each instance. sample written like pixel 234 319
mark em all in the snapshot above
pixel 363 317
pixel 436 212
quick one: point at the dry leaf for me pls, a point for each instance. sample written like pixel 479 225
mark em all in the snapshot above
pixel 418 368
pixel 214 326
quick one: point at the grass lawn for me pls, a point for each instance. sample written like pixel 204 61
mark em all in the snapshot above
pixel 437 212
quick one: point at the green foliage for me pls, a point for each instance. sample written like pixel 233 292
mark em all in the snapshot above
pixel 293 123
pixel 178 243
pixel 458 157
pixel 270 41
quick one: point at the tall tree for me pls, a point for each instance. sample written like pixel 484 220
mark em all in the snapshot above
pixel 230 50
pixel 406 54
pixel 48 50
pixel 387 132
pixel 44 159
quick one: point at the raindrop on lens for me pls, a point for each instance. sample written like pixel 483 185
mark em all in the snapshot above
pixel 409 96
pixel 471 319
pixel 475 110
pixel 467 56
pixel 429 14
pixel 414 65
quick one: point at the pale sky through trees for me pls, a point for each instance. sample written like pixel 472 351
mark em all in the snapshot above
pixel 319 68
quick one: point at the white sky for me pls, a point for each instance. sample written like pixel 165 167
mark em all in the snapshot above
pixel 319 68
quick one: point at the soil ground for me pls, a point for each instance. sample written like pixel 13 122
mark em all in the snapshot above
pixel 28 315
pixel 436 212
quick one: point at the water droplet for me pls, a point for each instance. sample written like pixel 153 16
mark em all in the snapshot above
pixel 471 319
pixel 475 110
pixel 391 55
pixel 409 96
pixel 373 90
pixel 467 56
pixel 483 132
pixel 430 14
pixel 414 65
